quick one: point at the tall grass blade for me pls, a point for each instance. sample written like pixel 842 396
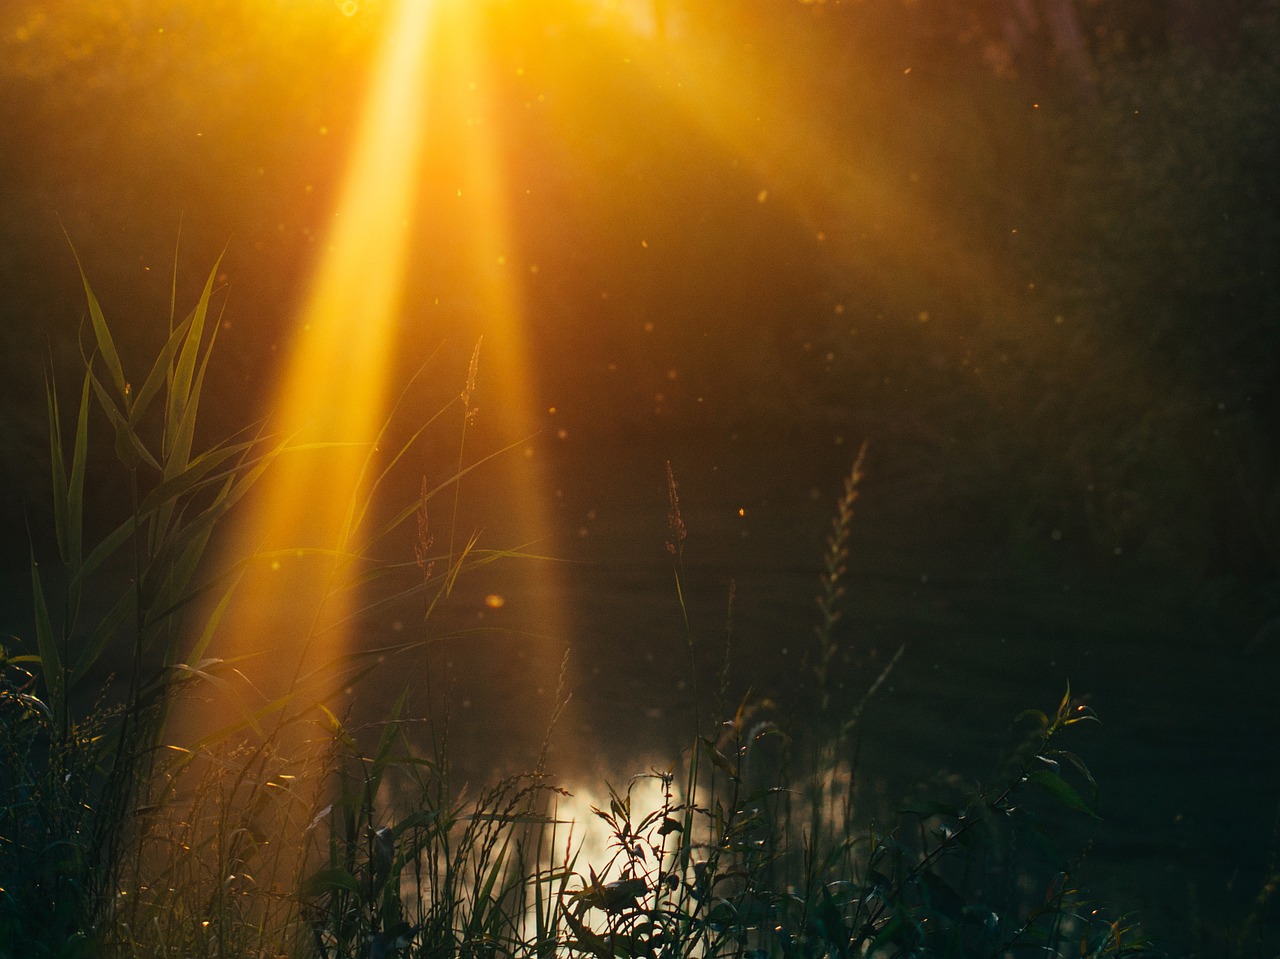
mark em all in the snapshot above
pixel 47 646
pixel 102 334
pixel 61 519
pixel 75 490
pixel 161 371
pixel 101 636
pixel 413 507
pixel 129 445
pixel 183 392
pixel 358 509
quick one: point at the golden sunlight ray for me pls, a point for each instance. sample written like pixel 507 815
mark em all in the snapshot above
pixel 491 248
pixel 830 186
pixel 332 392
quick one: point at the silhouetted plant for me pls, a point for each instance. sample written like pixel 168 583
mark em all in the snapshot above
pixel 313 836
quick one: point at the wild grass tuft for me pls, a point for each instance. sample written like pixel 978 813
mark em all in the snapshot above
pixel 301 831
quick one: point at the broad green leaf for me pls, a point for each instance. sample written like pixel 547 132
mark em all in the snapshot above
pixel 942 898
pixel 1061 790
pixel 330 880
pixel 719 759
pixel 1081 768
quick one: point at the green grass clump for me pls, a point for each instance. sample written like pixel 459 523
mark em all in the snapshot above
pixel 298 831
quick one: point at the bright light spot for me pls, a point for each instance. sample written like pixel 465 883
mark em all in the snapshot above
pixel 494 601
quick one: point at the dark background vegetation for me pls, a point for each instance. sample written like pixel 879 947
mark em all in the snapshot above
pixel 1043 279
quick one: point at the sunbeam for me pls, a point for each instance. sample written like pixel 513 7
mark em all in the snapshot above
pixel 854 197
pixel 331 396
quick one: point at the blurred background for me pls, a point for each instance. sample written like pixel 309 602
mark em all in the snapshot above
pixel 1028 250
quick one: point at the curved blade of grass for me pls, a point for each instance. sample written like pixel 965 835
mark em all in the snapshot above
pixel 211 623
pixel 75 504
pixel 127 439
pixel 413 507
pixel 169 595
pixel 337 728
pixel 249 717
pixel 102 633
pixel 184 393
pixel 192 481
pixel 47 647
pixel 196 475
pixel 68 492
pixel 237 568
pixel 203 523
pixel 355 516
pixel 1061 790
pixel 102 334
pixel 477 559
pixel 160 370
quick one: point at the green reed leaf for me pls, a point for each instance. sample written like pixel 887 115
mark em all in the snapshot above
pixel 211 622
pixel 184 391
pixel 102 334
pixel 161 370
pixel 61 520
pixel 98 640
pixel 129 446
pixel 330 880
pixel 75 486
